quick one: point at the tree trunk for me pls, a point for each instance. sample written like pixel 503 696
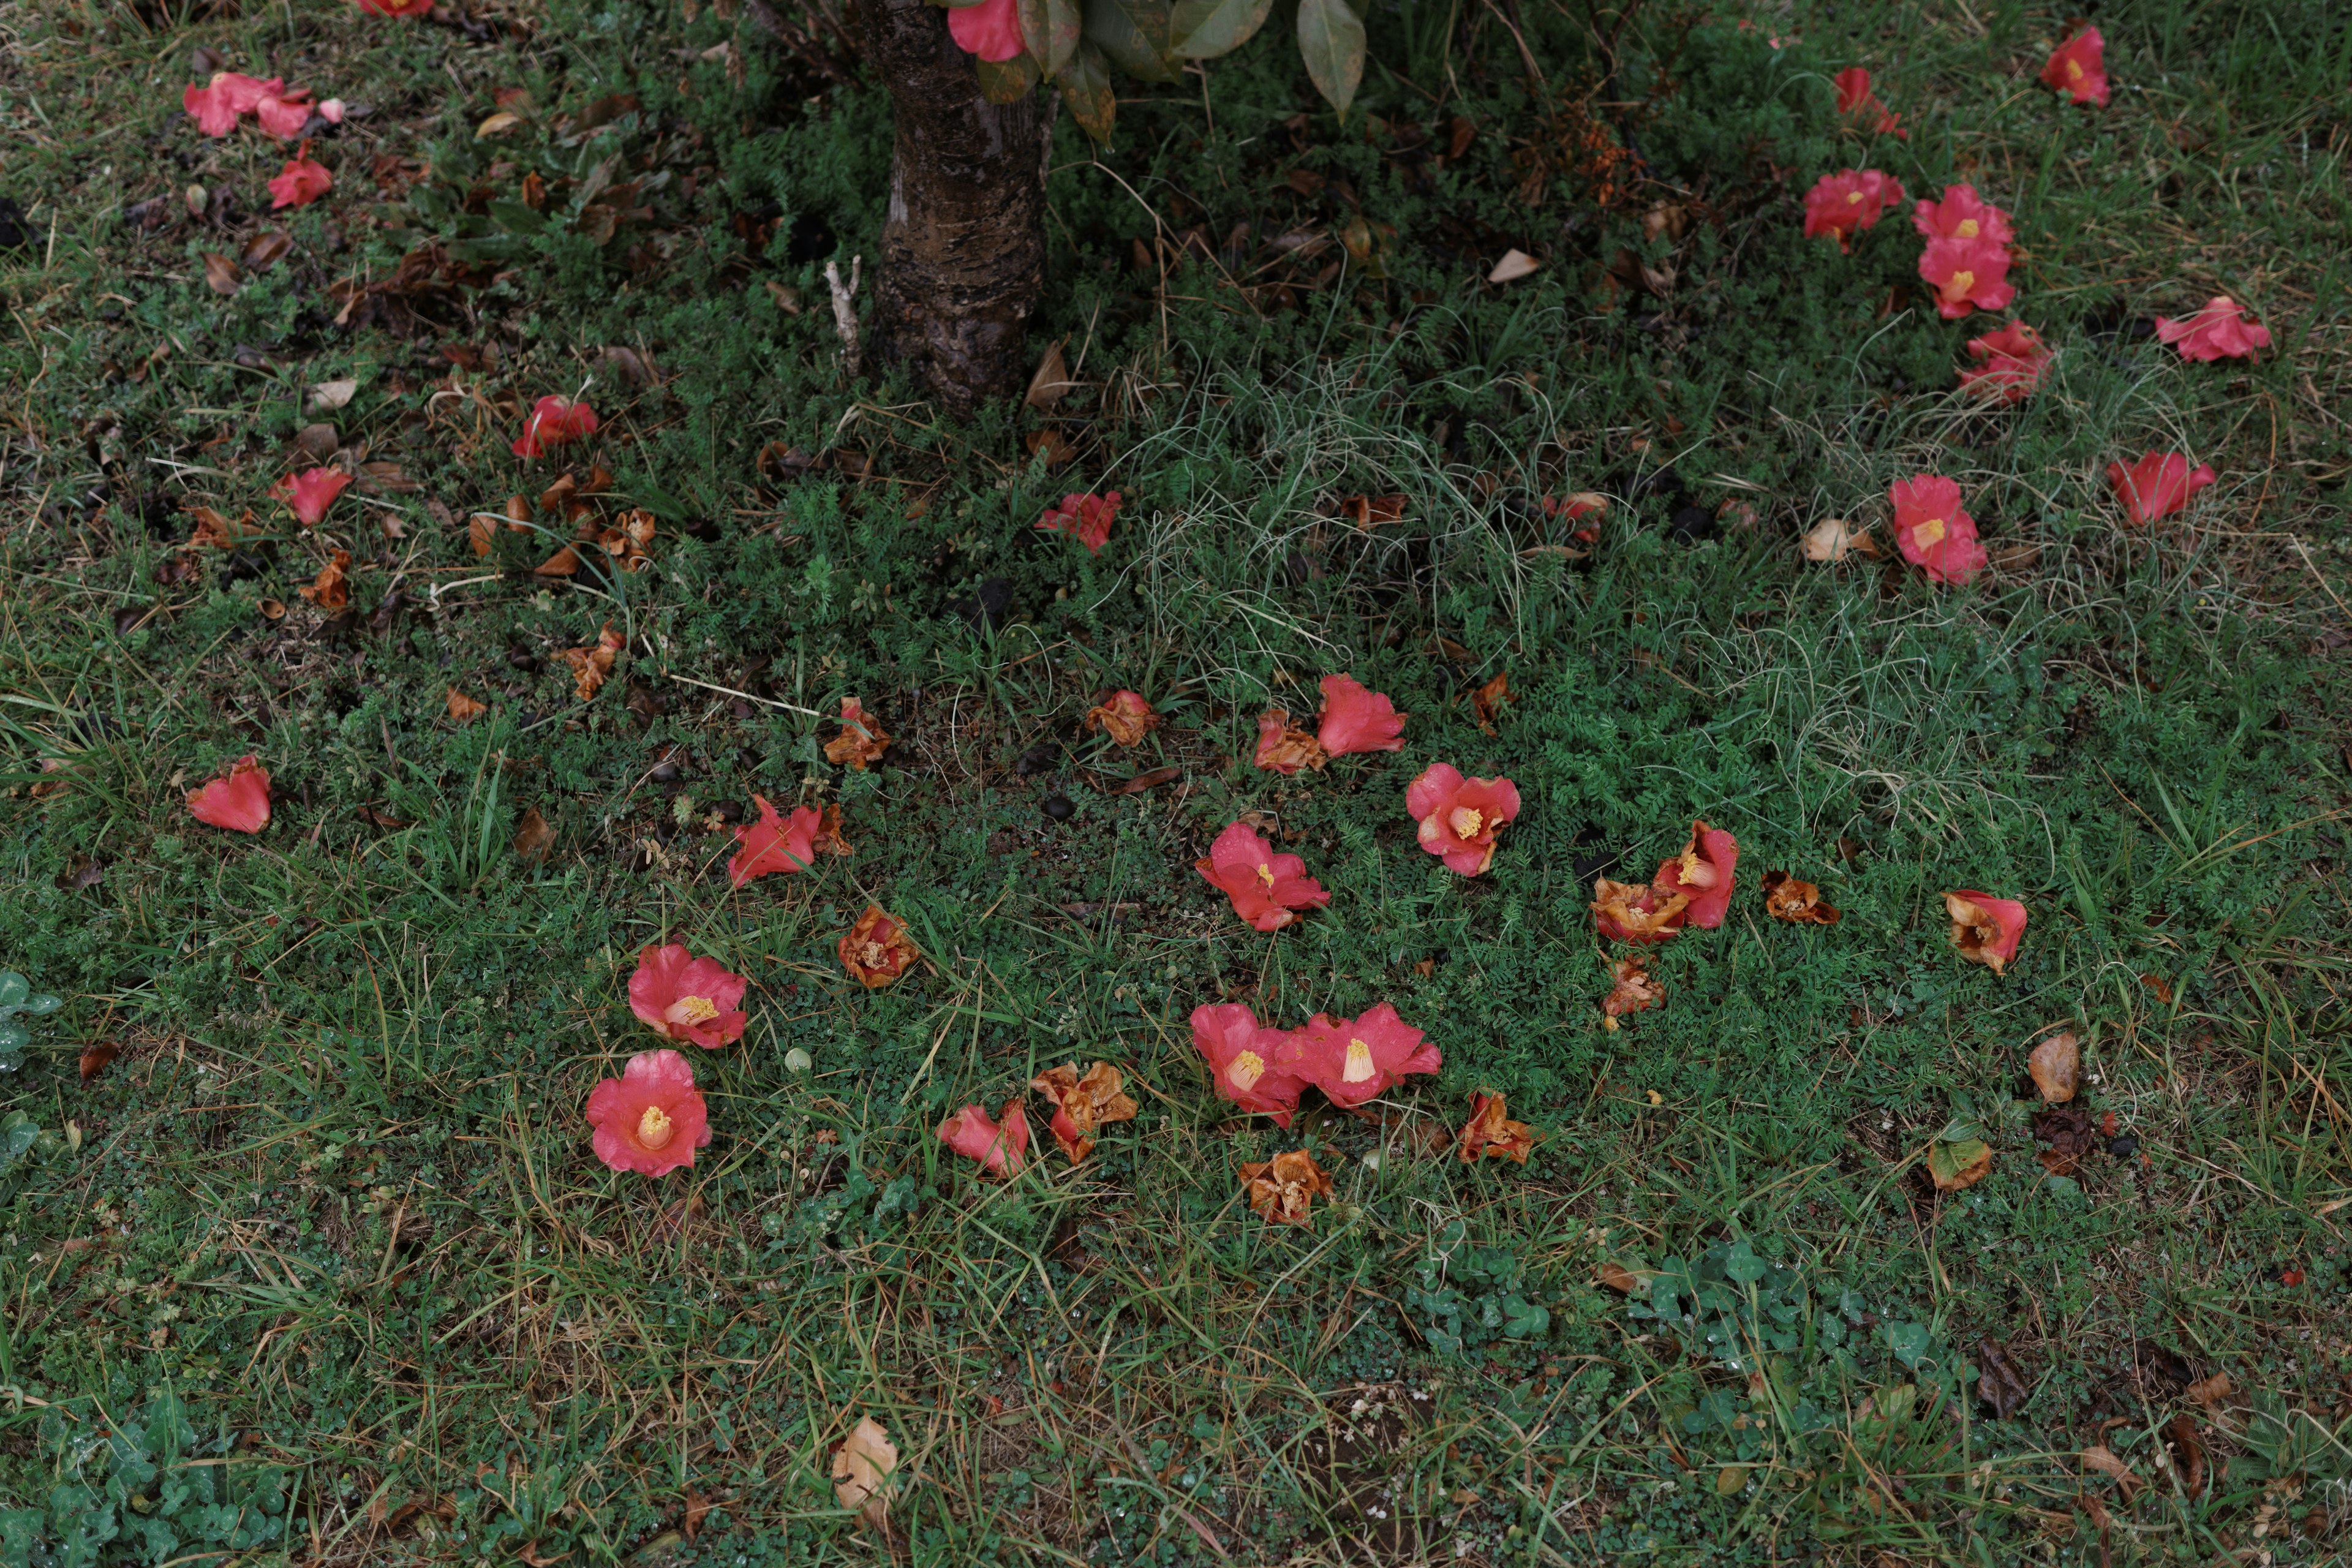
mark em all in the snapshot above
pixel 964 247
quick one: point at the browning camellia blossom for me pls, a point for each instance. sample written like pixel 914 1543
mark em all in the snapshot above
pixel 303 181
pixel 309 494
pixel 1459 818
pixel 876 949
pixel 1961 214
pixel 1356 720
pixel 2220 331
pixel 1968 275
pixel 1283 1190
pixel 2158 485
pixel 1840 205
pixel 1124 716
pixel 553 421
pixel 238 800
pixel 1002 1148
pixel 1353 1059
pixel 2077 67
pixel 1283 747
pixel 1490 1133
pixel 686 998
pixel 773 846
pixel 1630 990
pixel 1856 102
pixel 2014 360
pixel 991 29
pixel 1082 1104
pixel 1252 1065
pixel 1931 529
pixel 216 105
pixel 1702 873
pixel 861 741
pixel 1267 890
pixel 1985 929
pixel 651 1119
pixel 1636 912
pixel 1086 518
pixel 1787 898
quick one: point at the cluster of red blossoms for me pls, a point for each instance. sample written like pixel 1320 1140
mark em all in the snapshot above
pixel 283 113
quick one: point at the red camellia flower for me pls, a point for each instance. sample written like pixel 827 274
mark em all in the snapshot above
pixel 216 105
pixel 1353 1059
pixel 2158 485
pixel 1703 874
pixel 991 29
pixel 1087 517
pixel 1254 1067
pixel 1967 274
pixel 876 949
pixel 1985 929
pixel 1856 101
pixel 553 421
pixel 651 1119
pixel 687 998
pixel 1842 205
pixel 1002 1148
pixel 2076 68
pixel 1267 890
pixel 1962 214
pixel 397 8
pixel 1931 529
pixel 2014 360
pixel 303 181
pixel 1356 720
pixel 238 800
pixel 1628 911
pixel 309 494
pixel 1459 818
pixel 2220 331
pixel 1124 716
pixel 283 115
pixel 774 846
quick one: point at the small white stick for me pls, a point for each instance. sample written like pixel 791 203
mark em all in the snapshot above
pixel 844 313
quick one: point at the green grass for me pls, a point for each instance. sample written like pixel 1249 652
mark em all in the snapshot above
pixel 320 1267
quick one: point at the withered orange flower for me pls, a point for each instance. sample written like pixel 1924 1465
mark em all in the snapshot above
pixel 1985 929
pixel 590 666
pixel 876 949
pixel 626 545
pixel 328 590
pixel 1625 911
pixel 1630 990
pixel 1787 899
pixel 827 840
pixel 1285 1188
pixel 1489 1133
pixel 1487 703
pixel 1081 1104
pixel 1283 747
pixel 1124 716
pixel 861 740
pixel 217 531
pixel 463 709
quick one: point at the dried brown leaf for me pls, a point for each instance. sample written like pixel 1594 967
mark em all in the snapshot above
pixel 533 837
pixel 862 1469
pixel 463 709
pixel 2056 1065
pixel 222 276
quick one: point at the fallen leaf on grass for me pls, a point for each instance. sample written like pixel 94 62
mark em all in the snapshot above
pixel 1487 703
pixel 590 666
pixel 1957 1163
pixel 2066 1128
pixel 2187 1454
pixel 266 249
pixel 2210 1391
pixel 1081 1104
pixel 1515 265
pixel 564 563
pixel 328 590
pixel 94 1058
pixel 2056 1065
pixel 463 709
pixel 1373 511
pixel 480 531
pixel 497 124
pixel 329 395
pixel 1999 1384
pixel 1489 1133
pixel 1787 899
pixel 533 837
pixel 861 1471
pixel 1283 1189
pixel 1051 445
pixel 218 532
pixel 1050 383
pixel 1619 1278
pixel 1147 781
pixel 2104 1460
pixel 221 274
pixel 698 1509
pixel 1833 539
pixel 861 740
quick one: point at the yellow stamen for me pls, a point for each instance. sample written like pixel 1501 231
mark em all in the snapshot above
pixel 1266 875
pixel 1854 198
pixel 1466 821
pixel 692 1010
pixel 655 1128
pixel 1244 1072
pixel 1696 873
pixel 1929 534
pixel 2073 70
pixel 1966 229
pixel 1359 1063
pixel 1962 281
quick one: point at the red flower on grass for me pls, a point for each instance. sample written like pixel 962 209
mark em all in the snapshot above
pixel 1459 818
pixel 2220 331
pixel 1931 529
pixel 216 105
pixel 651 1119
pixel 1087 518
pixel 238 800
pixel 1842 205
pixel 1353 1059
pixel 1961 214
pixel 774 846
pixel 1267 890
pixel 1002 1148
pixel 553 421
pixel 991 29
pixel 1124 716
pixel 1702 873
pixel 1637 912
pixel 2077 68
pixel 876 949
pixel 283 115
pixel 2014 362
pixel 1356 720
pixel 686 998
pixel 1254 1067
pixel 303 181
pixel 396 7
pixel 1856 101
pixel 2158 485
pixel 309 494
pixel 1985 929
pixel 1968 275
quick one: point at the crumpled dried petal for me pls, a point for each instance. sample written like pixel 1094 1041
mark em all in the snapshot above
pixel 876 949
pixel 1284 1189
pixel 328 589
pixel 1002 1148
pixel 1486 702
pixel 1985 929
pixel 1489 1133
pixel 1283 747
pixel 861 740
pixel 238 800
pixel 1832 538
pixel 1630 990
pixel 465 709
pixel 1787 899
pixel 590 666
pixel 1626 912
pixel 1082 1104
pixel 1124 716
pixel 2056 1065
pixel 861 1466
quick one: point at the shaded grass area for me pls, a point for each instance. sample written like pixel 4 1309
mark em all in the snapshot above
pixel 318 1264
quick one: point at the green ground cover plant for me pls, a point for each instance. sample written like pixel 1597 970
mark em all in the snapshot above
pixel 305 1256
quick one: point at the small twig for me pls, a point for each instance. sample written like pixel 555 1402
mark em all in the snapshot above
pixel 845 311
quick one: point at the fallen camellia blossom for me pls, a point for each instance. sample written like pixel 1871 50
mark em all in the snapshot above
pixel 590 665
pixel 309 494
pixel 1985 929
pixel 773 846
pixel 328 590
pixel 1856 102
pixel 2158 485
pixel 2015 360
pixel 283 114
pixel 465 709
pixel 1124 716
pixel 303 181
pixel 1968 275
pixel 2220 331
pixel 695 1000
pixel 1356 720
pixel 1702 873
pixel 2077 67
pixel 861 740
pixel 1254 1067
pixel 1083 1104
pixel 1285 1188
pixel 1840 205
pixel 1489 1133
pixel 651 1119
pixel 991 29
pixel 553 421
pixel 1931 529
pixel 1001 1149
pixel 1267 890
pixel 1284 748
pixel 1800 903
pixel 1352 1060
pixel 1630 990
pixel 1962 214
pixel 1086 518
pixel 861 1466
pixel 1626 912
pixel 396 7
pixel 1459 818
pixel 238 800
pixel 876 949
pixel 1833 538
pixel 827 840
pixel 216 105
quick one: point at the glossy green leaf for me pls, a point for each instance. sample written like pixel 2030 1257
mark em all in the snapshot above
pixel 17 1133
pixel 1133 33
pixel 1050 28
pixel 1204 30
pixel 1086 90
pixel 1006 81
pixel 13 988
pixel 1331 42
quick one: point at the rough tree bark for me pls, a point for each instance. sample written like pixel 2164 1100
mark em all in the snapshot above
pixel 964 247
